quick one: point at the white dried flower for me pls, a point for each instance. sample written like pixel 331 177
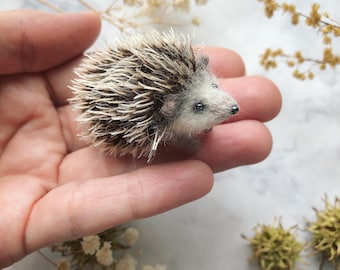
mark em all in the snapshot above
pixel 182 5
pixel 131 236
pixel 148 267
pixel 63 264
pixel 104 255
pixel 160 267
pixel 90 244
pixel 127 262
pixel 201 2
pixel 156 267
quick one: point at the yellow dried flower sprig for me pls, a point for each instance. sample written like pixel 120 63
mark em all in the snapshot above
pixel 314 19
pixel 328 28
pixel 270 6
pixel 274 247
pixel 329 59
pixel 130 14
pixel 326 232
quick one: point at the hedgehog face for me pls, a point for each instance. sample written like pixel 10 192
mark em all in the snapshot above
pixel 203 106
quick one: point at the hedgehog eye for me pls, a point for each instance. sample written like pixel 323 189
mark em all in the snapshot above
pixel 214 85
pixel 199 106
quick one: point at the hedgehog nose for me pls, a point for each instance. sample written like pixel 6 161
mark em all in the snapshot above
pixel 234 109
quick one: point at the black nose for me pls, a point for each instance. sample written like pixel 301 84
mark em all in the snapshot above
pixel 234 109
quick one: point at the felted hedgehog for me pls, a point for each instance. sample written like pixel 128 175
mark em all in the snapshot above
pixel 148 89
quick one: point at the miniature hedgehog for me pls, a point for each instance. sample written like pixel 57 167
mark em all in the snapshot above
pixel 148 89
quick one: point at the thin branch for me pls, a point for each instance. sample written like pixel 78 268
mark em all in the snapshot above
pixel 83 2
pixel 51 6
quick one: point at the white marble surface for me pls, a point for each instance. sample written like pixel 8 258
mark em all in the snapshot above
pixel 303 166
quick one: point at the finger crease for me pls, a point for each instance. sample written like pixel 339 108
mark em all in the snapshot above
pixel 26 48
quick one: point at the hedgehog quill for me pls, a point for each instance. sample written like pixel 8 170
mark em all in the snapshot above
pixel 149 89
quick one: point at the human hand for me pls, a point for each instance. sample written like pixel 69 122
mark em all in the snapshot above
pixel 53 187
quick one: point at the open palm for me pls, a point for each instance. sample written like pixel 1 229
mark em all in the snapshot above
pixel 55 188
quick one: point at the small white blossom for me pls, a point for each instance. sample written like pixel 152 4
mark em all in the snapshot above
pixel 131 236
pixel 104 255
pixel 90 244
pixel 127 262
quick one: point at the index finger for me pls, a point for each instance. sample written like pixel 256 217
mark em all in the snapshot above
pixel 32 41
pixel 224 63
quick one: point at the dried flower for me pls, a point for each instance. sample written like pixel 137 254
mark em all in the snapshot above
pixel 330 58
pixel 295 18
pixel 182 5
pixel 127 262
pixel 314 17
pixel 328 28
pixel 100 251
pixel 154 3
pixel 326 232
pixel 90 244
pixel 63 264
pixel 201 2
pixel 131 236
pixel 104 255
pixel 148 267
pixel 128 14
pixel 311 75
pixel 156 267
pixel 327 40
pixel 270 6
pixel 298 56
pixel 268 58
pixel 336 31
pixel 299 75
pixel 196 21
pixel 291 63
pixel 132 2
pixel 275 247
pixel 290 8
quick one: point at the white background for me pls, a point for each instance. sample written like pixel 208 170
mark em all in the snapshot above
pixel 303 166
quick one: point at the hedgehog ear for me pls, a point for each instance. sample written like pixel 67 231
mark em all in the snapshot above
pixel 202 62
pixel 170 106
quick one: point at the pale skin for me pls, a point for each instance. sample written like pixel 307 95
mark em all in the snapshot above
pixel 53 187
